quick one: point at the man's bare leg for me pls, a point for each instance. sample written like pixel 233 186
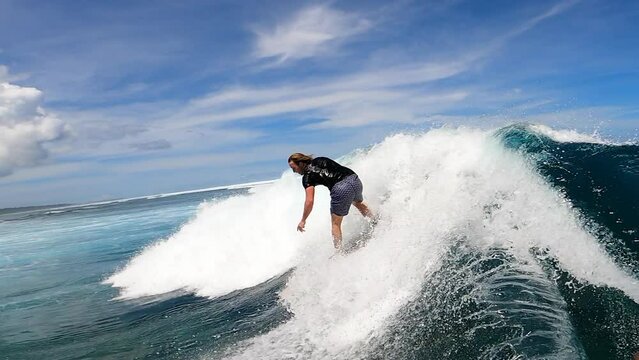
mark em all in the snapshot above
pixel 361 206
pixel 336 229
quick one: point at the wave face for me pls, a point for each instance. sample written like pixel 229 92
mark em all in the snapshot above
pixel 491 244
pixel 599 179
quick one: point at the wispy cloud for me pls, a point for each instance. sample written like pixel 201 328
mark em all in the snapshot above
pixel 141 127
pixel 174 163
pixel 333 100
pixel 525 26
pixel 404 93
pixel 135 106
pixel 47 172
pixel 555 10
pixel 161 144
pixel 310 32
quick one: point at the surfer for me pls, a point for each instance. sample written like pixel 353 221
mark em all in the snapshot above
pixel 343 183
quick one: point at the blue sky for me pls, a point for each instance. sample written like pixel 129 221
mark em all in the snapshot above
pixel 111 99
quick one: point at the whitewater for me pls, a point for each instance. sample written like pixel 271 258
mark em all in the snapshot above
pixel 474 244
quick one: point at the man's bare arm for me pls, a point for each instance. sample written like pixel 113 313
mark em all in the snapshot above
pixel 308 207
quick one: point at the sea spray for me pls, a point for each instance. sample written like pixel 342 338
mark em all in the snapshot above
pixel 429 190
pixel 471 259
pixel 433 192
pixel 231 244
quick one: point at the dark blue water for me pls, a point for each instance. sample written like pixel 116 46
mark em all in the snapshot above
pixel 602 182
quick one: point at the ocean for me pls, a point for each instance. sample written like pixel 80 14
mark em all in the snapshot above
pixel 515 243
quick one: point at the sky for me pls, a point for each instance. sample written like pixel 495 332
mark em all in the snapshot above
pixel 115 99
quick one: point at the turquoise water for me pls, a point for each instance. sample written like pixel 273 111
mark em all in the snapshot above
pixel 55 306
pixel 478 254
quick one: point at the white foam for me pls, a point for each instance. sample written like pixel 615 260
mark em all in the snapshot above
pixel 231 244
pixel 569 136
pixel 426 188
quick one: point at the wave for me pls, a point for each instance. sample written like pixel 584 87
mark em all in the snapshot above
pixel 598 178
pixel 471 233
pixel 221 249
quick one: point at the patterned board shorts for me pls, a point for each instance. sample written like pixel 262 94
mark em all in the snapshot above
pixel 344 193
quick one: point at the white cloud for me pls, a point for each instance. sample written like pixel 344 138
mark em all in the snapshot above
pixel 6 77
pixel 310 32
pixel 25 127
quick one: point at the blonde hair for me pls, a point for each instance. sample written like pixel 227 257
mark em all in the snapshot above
pixel 298 158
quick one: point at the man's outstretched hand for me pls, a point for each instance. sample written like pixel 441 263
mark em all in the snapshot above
pixel 300 226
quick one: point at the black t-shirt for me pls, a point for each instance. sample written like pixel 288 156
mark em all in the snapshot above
pixel 324 171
